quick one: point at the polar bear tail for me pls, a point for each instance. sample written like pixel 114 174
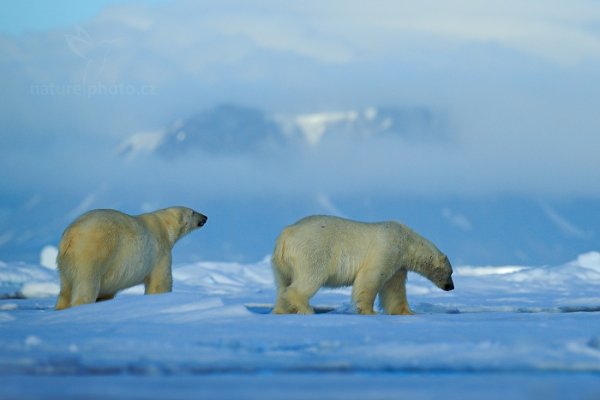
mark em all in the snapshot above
pixel 280 262
pixel 279 252
pixel 64 251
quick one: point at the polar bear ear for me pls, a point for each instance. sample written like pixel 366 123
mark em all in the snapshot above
pixel 183 221
pixel 445 261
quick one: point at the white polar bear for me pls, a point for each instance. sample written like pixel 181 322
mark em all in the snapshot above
pixel 374 258
pixel 105 251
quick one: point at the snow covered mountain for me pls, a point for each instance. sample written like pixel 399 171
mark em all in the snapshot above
pixel 223 129
pixel 408 122
pixel 234 129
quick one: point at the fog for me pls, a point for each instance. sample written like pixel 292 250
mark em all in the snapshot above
pixel 515 85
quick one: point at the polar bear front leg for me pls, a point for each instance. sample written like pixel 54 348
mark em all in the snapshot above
pixel 393 295
pixel 364 290
pixel 160 279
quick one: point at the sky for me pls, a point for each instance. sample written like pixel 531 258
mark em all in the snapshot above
pixel 516 83
pixel 29 16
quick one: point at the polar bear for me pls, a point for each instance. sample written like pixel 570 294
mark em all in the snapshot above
pixel 105 251
pixel 374 258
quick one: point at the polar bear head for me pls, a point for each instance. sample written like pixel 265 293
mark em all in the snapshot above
pixel 189 220
pixel 433 264
pixel 179 221
pixel 441 272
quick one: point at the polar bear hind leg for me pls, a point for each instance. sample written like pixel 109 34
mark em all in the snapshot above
pixel 64 297
pixel 86 289
pixel 104 297
pixel 282 283
pixel 77 286
pixel 296 296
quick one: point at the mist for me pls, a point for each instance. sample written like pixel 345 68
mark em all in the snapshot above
pixel 516 88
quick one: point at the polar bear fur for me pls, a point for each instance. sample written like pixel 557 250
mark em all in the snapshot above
pixel 374 258
pixel 105 251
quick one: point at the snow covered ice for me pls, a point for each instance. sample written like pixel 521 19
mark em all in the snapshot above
pixel 505 332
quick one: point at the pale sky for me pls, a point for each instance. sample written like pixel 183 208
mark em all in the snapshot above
pixel 516 83
pixel 26 16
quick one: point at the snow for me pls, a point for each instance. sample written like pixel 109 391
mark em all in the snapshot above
pixel 505 332
pixel 8 306
pixel 48 256
pixel 15 275
pixel 39 289
pixel 313 126
pixel 141 143
pixel 32 341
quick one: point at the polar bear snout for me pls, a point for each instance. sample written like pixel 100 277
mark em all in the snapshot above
pixel 449 285
pixel 200 219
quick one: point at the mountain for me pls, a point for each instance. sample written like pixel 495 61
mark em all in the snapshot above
pixel 223 129
pixel 413 123
pixel 234 129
